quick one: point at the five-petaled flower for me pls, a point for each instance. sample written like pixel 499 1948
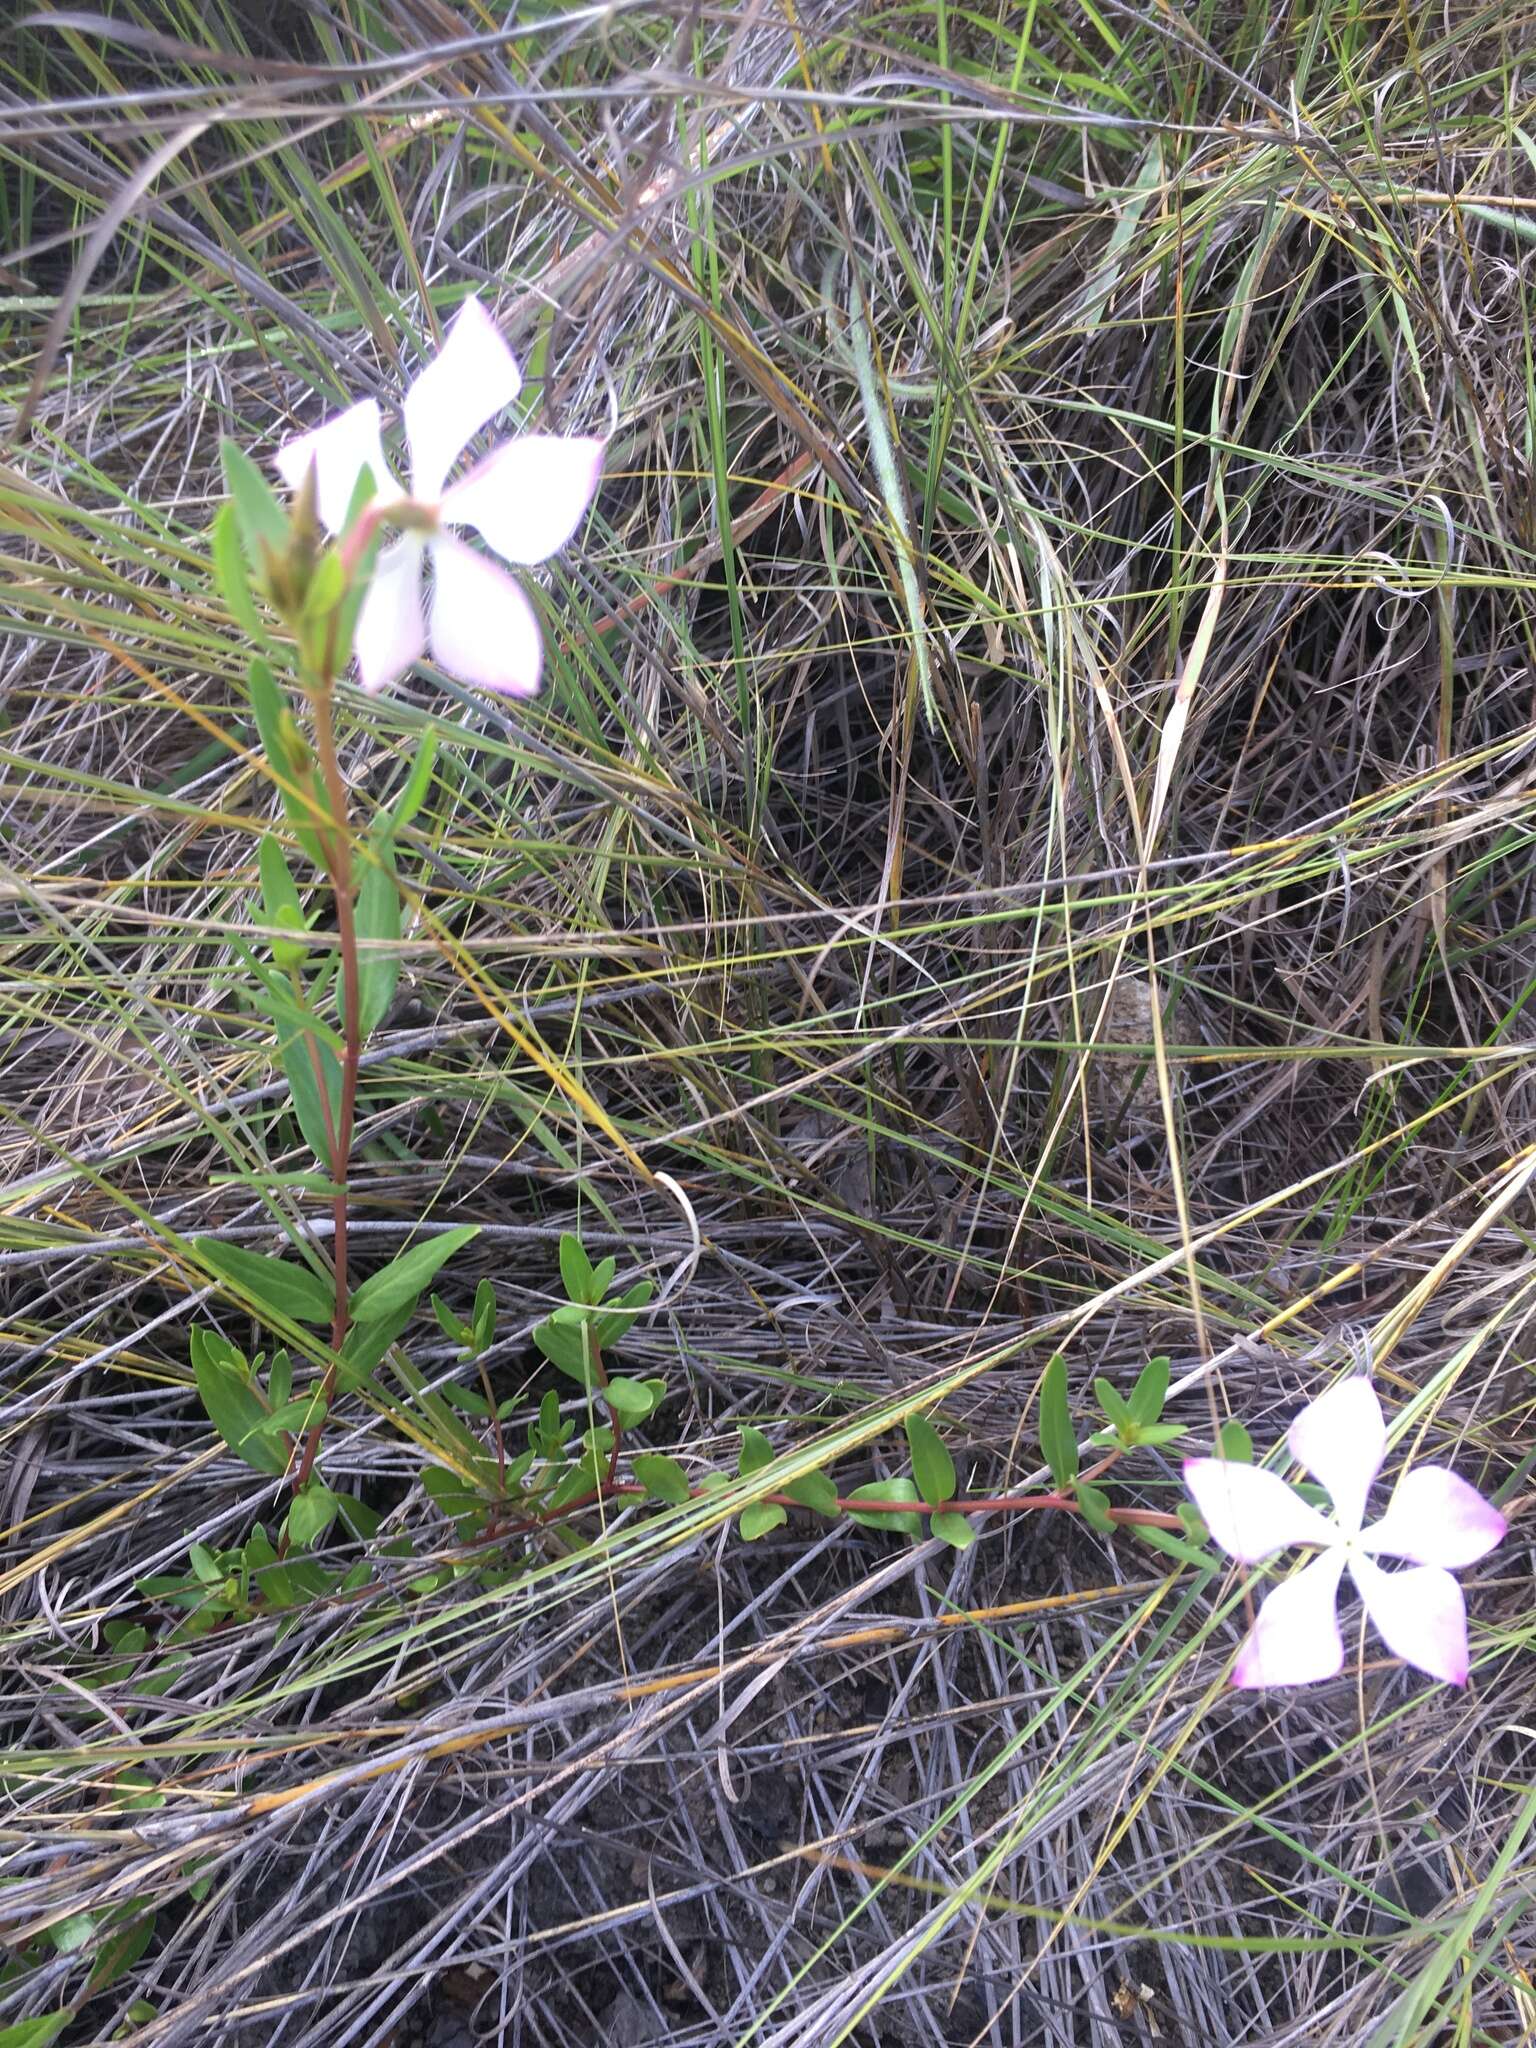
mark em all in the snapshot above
pixel 1434 1519
pixel 525 499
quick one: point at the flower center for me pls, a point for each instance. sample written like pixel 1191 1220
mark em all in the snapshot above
pixel 416 515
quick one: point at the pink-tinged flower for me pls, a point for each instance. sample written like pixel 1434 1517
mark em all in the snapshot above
pixel 525 500
pixel 1434 1519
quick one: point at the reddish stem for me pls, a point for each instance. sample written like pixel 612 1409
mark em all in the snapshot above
pixel 496 1435
pixel 981 1504
pixel 336 848
pixel 600 1374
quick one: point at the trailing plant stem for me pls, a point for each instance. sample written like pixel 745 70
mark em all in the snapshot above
pixel 979 1504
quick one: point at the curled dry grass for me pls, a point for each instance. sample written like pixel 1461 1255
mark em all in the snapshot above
pixel 1029 823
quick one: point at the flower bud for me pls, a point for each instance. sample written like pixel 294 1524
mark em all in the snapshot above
pixel 287 572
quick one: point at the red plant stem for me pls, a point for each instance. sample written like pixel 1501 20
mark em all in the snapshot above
pixel 600 1374
pixel 335 847
pixel 496 1433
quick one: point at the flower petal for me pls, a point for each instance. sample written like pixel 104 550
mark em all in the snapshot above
pixel 1419 1614
pixel 483 628
pixel 1296 1640
pixel 1342 1439
pixel 341 449
pixel 473 376
pixel 529 497
pixel 1435 1518
pixel 1252 1513
pixel 391 633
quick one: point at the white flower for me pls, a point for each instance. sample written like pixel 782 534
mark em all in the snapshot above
pixel 1434 1519
pixel 525 499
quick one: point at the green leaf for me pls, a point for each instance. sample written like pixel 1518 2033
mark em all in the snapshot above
pixel 34 2033
pixel 268 709
pixel 815 1490
pixel 305 1183
pixel 290 949
pixel 121 1950
pixel 366 1345
pixel 955 1530
pixel 378 923
pixel 306 1049
pixel 311 1514
pixel 1057 1442
pixel 1234 1442
pixel 403 1281
pixel 418 782
pixel 209 1344
pixel 759 1518
pixel 271 1580
pixel 138 1794
pixel 547 1432
pixel 364 491
pixel 74 1932
pixel 267 706
pixel 258 515
pixel 566 1349
pixel 352 602
pixel 300 1415
pixel 358 1518
pixel 575 1483
pixel 1166 1541
pixel 236 1412
pixel 756 1452
pixel 602 1277
pixel 932 1466
pixel 455 1330
pixel 1115 1406
pixel 165 1585
pixel 280 1380
pixel 207 1567
pixel 1150 1392
pixel 483 1327
pixel 888 1489
pixel 326 584
pixel 612 1324
pixel 661 1477
pixel 274 1284
pixel 230 574
pixel 575 1268
pixel 631 1400
pixel 455 1496
pixel 1094 1502
pixel 281 903
pixel 1156 1433
pixel 311 1069
pixel 466 1401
